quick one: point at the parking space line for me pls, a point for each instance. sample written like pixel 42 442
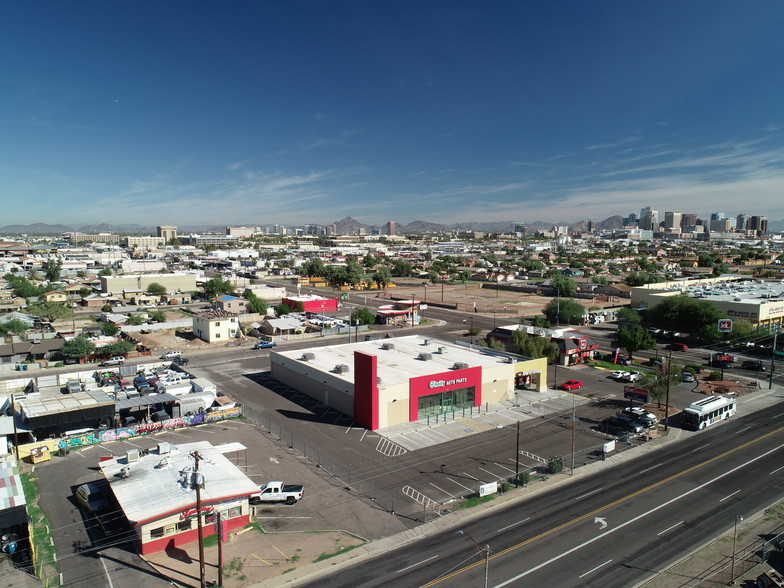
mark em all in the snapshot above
pixel 459 484
pixel 441 490
pixel 489 472
pixel 504 467
pixel 470 476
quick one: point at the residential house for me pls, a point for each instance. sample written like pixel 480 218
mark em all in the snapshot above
pixel 55 296
pixel 233 304
pixel 215 326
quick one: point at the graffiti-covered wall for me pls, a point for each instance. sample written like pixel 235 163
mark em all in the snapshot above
pixel 95 437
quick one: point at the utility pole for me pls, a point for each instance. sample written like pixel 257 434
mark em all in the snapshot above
pixel 773 359
pixel 202 578
pixel 573 433
pixel 16 440
pixel 667 396
pixel 517 458
pixel 219 522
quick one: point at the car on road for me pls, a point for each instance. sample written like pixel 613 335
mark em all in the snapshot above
pixel 687 377
pixel 265 345
pixel 677 347
pixel 171 354
pixel 571 385
pixel 620 425
pixel 644 417
pixel 116 360
pixel 618 374
pixel 181 360
pixel 753 365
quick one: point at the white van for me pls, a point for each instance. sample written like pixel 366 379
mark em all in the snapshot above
pixel 171 354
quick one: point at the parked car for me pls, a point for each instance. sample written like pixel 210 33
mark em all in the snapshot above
pixel 265 345
pixel 631 377
pixel 640 415
pixel 116 360
pixel 618 374
pixel 91 496
pixel 687 377
pixel 620 425
pixel 571 385
pixel 677 347
pixel 171 354
pixel 753 365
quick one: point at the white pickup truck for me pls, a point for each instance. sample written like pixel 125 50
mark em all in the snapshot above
pixel 278 492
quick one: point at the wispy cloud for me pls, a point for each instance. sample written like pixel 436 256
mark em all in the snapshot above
pixel 610 145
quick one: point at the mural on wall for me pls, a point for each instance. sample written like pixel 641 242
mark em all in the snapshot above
pixel 93 438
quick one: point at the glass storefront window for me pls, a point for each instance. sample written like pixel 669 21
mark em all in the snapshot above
pixel 445 402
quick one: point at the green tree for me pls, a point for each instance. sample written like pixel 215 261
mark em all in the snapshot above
pixel 364 315
pixel 105 272
pixel 657 381
pixel 564 312
pixel 116 348
pixel 158 316
pixel 51 311
pixel 539 321
pixel 313 268
pixel 564 285
pixel 258 305
pixel 217 286
pixel 533 346
pixel 634 338
pixel 77 348
pixel 682 313
pixel 369 261
pixel 52 269
pixel 156 289
pixel 629 315
pixel 22 287
pixel 136 320
pixel 13 326
pixel 81 274
pixel 402 268
pixel 282 309
pixel 109 329
pixel 642 278
pixel 381 277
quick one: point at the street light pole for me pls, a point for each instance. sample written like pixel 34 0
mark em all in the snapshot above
pixel 734 542
pixel 484 550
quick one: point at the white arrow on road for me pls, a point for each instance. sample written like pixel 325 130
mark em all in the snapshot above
pixel 600 520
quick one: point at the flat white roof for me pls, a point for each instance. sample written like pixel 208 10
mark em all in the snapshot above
pixel 156 486
pixel 398 365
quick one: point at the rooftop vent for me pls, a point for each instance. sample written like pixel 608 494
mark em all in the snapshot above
pixel 341 368
pixel 425 356
pixel 460 366
pixel 442 350
pixel 388 346
pixel 509 360
pixel 308 356
pixel 426 342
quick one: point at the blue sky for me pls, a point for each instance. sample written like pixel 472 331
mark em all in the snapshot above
pixel 254 113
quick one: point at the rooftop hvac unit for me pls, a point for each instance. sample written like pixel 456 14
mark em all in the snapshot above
pixel 425 356
pixel 388 346
pixel 442 350
pixel 460 365
pixel 125 472
pixel 341 368
pixel 427 342
pixel 510 360
pixel 132 455
pixel 308 356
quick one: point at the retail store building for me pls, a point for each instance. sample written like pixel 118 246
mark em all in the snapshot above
pixel 387 382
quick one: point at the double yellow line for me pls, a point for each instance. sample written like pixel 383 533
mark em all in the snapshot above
pixel 602 508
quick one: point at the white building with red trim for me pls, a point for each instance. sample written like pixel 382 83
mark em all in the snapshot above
pixel 393 381
pixel 157 493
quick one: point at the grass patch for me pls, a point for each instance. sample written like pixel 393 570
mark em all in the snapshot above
pixel 340 551
pixel 474 501
pixel 288 570
pixel 211 541
pixel 256 527
pixel 39 530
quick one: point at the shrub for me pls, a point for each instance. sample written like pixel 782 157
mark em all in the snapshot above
pixel 505 486
pixel 524 478
pixel 714 376
pixel 555 465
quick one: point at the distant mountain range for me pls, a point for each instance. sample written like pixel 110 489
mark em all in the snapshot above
pixel 344 226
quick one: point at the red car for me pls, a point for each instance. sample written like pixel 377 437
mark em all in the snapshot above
pixel 677 347
pixel 571 385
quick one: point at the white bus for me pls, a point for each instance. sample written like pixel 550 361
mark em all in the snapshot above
pixel 702 413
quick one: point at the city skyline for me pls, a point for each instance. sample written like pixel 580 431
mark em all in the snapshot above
pixel 309 113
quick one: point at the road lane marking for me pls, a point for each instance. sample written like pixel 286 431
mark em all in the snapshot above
pixel 700 447
pixel 417 564
pixel 108 577
pixel 669 529
pixel 651 468
pixel 729 496
pixel 617 502
pixel 745 429
pixel 587 494
pixel 596 568
pixel 777 415
pixel 513 525
pixel 777 469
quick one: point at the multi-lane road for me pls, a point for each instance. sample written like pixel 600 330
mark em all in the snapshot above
pixel 613 529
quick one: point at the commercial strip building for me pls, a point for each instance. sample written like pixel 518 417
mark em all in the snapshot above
pixel 760 303
pixel 157 492
pixel 381 383
pixel 174 283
